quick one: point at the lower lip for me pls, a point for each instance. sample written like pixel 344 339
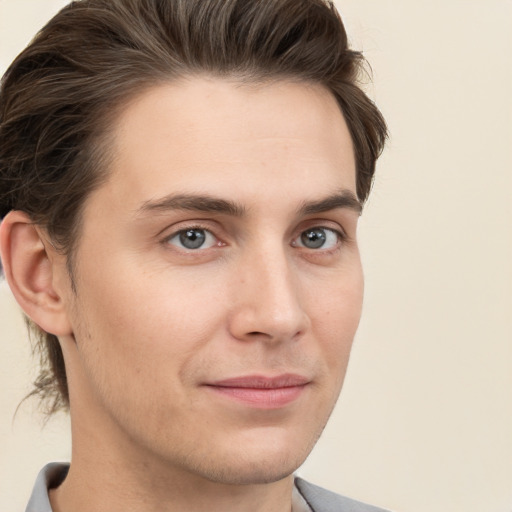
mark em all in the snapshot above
pixel 261 398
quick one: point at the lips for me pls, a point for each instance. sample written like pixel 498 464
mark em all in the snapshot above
pixel 260 391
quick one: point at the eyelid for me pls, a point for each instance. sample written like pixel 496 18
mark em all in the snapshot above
pixel 323 223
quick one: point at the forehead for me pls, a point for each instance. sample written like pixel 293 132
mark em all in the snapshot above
pixel 214 135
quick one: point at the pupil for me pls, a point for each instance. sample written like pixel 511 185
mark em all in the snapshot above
pixel 192 238
pixel 314 238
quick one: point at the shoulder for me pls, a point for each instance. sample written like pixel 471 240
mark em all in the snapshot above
pixel 322 500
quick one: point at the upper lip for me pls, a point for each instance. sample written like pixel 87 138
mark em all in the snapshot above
pixel 287 380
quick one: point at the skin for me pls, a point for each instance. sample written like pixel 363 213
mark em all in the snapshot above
pixel 154 324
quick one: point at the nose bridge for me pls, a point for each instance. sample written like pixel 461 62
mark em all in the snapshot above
pixel 268 296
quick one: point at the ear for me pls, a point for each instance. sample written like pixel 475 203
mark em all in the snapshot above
pixel 32 269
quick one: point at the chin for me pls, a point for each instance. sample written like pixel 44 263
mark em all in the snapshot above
pixel 255 463
pixel 251 473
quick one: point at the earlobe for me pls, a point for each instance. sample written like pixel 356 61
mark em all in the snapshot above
pixel 30 270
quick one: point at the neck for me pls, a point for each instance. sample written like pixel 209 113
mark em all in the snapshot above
pixel 103 491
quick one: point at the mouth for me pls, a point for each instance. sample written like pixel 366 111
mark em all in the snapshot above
pixel 261 392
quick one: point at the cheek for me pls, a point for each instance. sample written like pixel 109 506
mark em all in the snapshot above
pixel 138 342
pixel 337 315
pixel 148 320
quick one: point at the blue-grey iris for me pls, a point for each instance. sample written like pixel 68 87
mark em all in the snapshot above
pixel 314 238
pixel 192 238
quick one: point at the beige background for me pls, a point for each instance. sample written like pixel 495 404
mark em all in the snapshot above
pixel 425 419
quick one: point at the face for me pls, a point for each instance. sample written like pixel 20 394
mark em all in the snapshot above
pixel 218 278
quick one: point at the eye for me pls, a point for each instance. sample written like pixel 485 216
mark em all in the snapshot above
pixel 192 239
pixel 318 238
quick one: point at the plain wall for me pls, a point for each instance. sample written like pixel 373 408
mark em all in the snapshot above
pixel 425 419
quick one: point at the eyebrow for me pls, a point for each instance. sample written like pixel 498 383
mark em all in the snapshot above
pixel 343 199
pixel 200 203
pixel 208 204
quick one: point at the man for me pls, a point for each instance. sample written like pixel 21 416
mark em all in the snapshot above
pixel 181 182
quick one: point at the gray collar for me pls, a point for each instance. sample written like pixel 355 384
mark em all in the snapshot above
pixel 52 475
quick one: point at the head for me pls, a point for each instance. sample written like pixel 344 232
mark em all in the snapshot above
pixel 109 83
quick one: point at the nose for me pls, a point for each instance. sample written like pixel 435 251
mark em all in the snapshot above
pixel 267 300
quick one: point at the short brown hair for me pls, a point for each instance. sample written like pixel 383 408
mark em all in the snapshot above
pixel 59 98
